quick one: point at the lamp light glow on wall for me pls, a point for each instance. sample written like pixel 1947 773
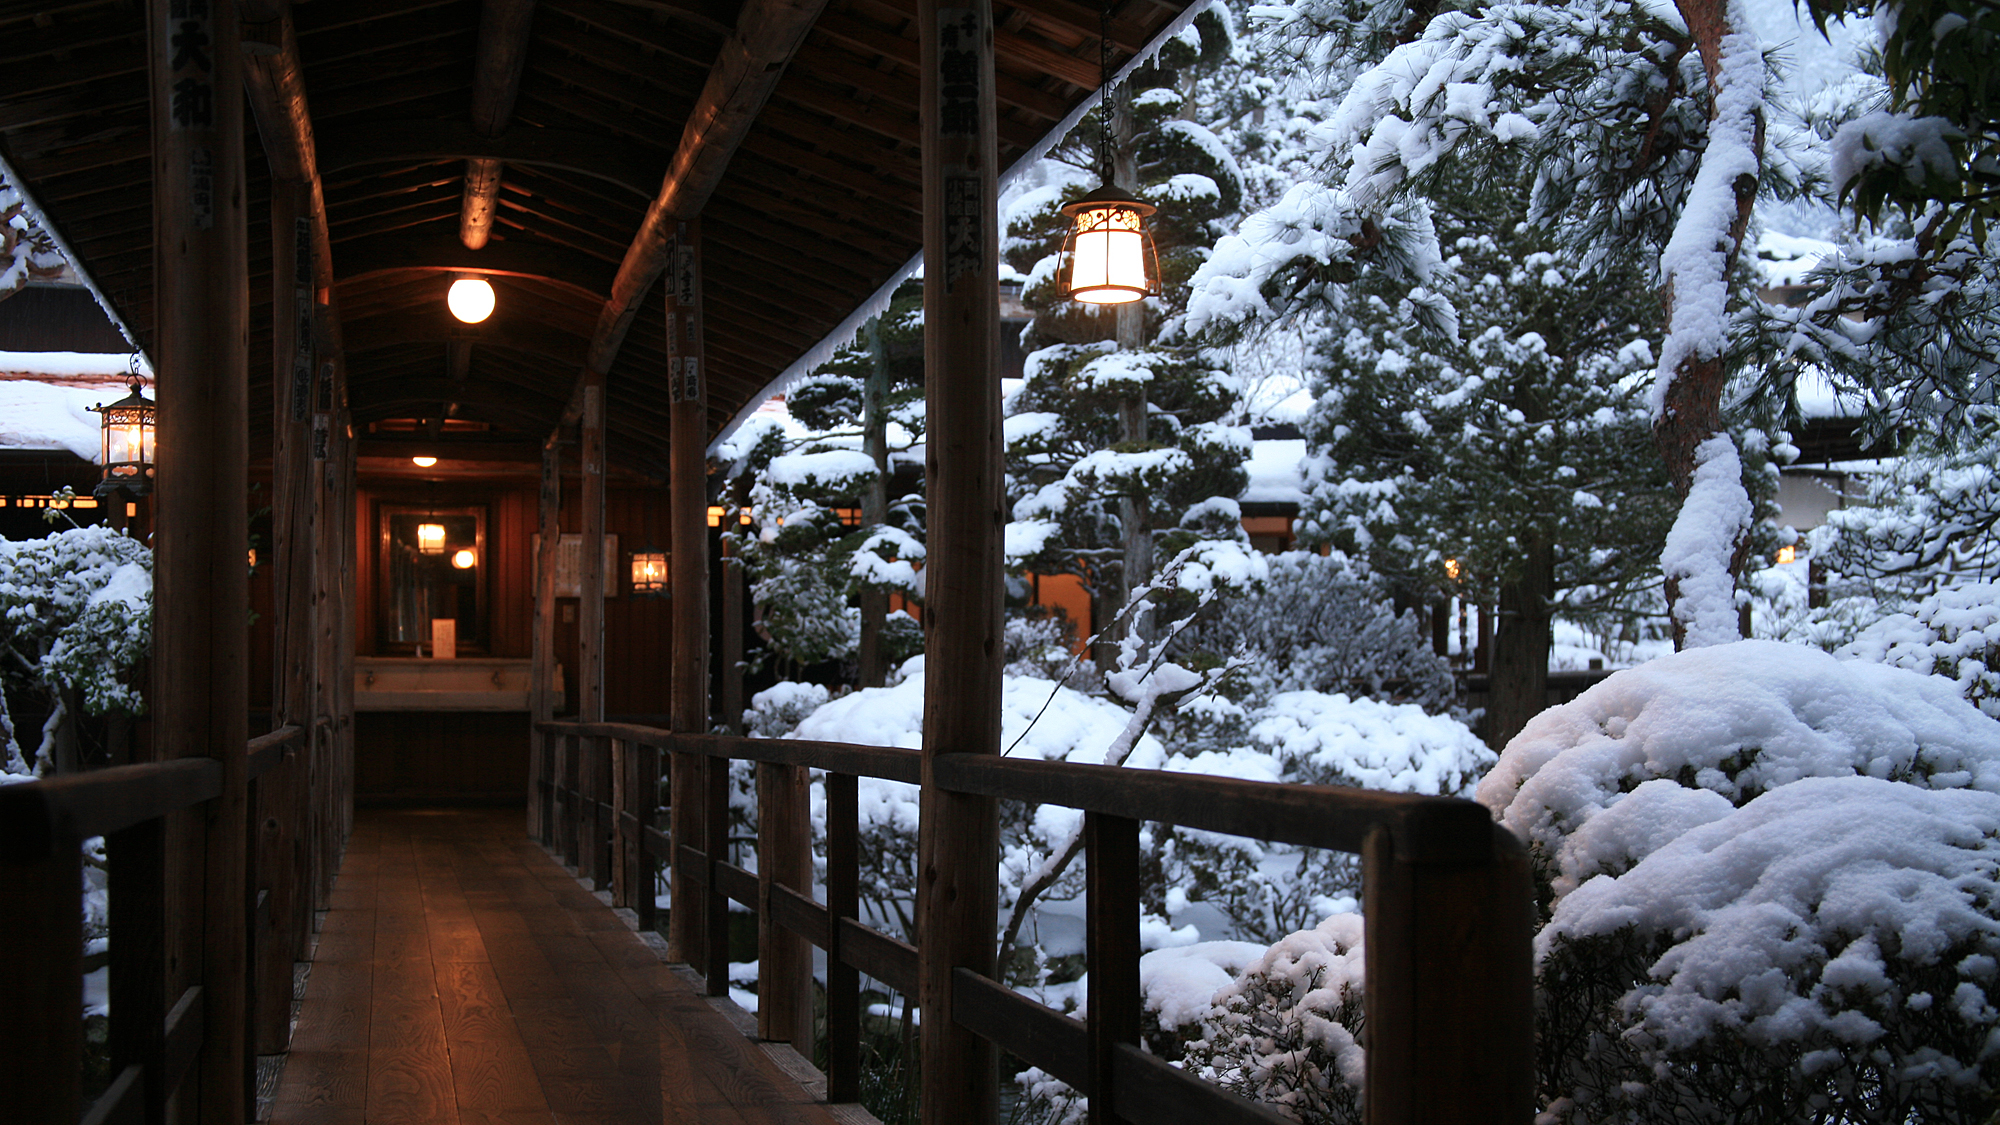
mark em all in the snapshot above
pixel 128 442
pixel 716 512
pixel 649 572
pixel 423 462
pixel 470 299
pixel 1108 255
pixel 465 559
pixel 430 538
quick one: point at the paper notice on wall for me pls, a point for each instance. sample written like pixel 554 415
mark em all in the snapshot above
pixel 444 638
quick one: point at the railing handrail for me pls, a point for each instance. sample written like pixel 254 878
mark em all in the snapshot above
pixel 1425 829
pixel 37 817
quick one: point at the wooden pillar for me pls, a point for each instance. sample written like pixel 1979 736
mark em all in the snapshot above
pixel 784 858
pixel 281 823
pixel 201 586
pixel 41 984
pixel 958 834
pixel 542 700
pixel 687 521
pixel 590 634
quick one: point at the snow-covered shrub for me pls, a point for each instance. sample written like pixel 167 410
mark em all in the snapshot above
pixel 1725 724
pixel 1827 952
pixel 1286 1031
pixel 1322 623
pixel 1769 884
pixel 782 706
pixel 1953 633
pixel 76 615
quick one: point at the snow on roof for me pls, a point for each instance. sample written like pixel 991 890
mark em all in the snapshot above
pixel 1274 472
pixel 48 416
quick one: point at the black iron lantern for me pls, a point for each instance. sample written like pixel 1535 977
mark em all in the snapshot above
pixel 127 442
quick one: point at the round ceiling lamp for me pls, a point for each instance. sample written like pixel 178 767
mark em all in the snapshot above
pixel 471 299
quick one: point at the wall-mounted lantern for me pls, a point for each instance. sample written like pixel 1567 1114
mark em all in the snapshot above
pixel 127 442
pixel 430 538
pixel 470 299
pixel 649 572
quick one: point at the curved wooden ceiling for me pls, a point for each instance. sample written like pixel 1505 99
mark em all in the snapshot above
pixel 815 207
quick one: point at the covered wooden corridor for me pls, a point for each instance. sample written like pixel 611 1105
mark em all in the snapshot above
pixel 463 978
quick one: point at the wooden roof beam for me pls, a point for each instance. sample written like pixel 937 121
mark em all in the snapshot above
pixel 496 83
pixel 275 84
pixel 768 33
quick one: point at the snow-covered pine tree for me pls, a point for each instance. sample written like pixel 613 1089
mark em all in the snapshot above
pixel 1116 451
pixel 1509 464
pixel 822 584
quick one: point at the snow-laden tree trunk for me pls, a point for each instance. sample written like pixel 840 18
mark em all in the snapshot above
pixel 1695 269
pixel 872 668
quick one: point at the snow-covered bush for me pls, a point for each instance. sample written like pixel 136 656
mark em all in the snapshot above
pixel 76 615
pixel 1953 633
pixel 1322 623
pixel 781 707
pixel 1769 882
pixel 1286 1031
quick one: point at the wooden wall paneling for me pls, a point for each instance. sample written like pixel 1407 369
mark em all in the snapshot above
pixel 958 834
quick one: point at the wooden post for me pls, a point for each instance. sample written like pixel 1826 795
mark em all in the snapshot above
pixel 138 915
pixel 590 633
pixel 1449 977
pixel 843 900
pixel 730 696
pixel 542 685
pixel 958 834
pixel 646 791
pixel 41 985
pixel 687 925
pixel 280 825
pixel 784 858
pixel 201 586
pixel 1111 941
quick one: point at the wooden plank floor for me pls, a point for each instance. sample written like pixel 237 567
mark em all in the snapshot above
pixel 463 978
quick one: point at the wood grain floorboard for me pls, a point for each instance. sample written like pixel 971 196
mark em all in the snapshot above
pixel 465 978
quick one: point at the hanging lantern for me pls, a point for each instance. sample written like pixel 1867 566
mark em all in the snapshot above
pixel 649 572
pixel 1108 256
pixel 430 538
pixel 128 442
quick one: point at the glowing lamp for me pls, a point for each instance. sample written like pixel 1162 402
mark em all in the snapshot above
pixel 465 559
pixel 649 572
pixel 1108 255
pixel 127 442
pixel 1787 554
pixel 423 462
pixel 430 538
pixel 471 299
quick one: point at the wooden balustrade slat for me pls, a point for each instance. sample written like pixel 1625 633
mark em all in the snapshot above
pixel 267 750
pixel 1111 949
pixel 693 864
pixel 658 844
pixel 715 841
pixel 1032 1032
pixel 1424 829
pixel 136 858
pixel 875 953
pixel 1151 1089
pixel 843 901
pixel 42 974
pixel 39 817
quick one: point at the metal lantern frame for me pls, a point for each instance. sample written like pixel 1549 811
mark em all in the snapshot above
pixel 118 421
pixel 1110 213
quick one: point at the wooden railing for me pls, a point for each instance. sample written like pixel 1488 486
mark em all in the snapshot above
pixel 154 1038
pixel 1448 912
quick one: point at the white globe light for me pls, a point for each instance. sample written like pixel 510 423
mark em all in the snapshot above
pixel 471 299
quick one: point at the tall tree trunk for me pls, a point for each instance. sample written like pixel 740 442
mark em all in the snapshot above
pixel 873 670
pixel 1519 682
pixel 1688 397
pixel 1133 516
